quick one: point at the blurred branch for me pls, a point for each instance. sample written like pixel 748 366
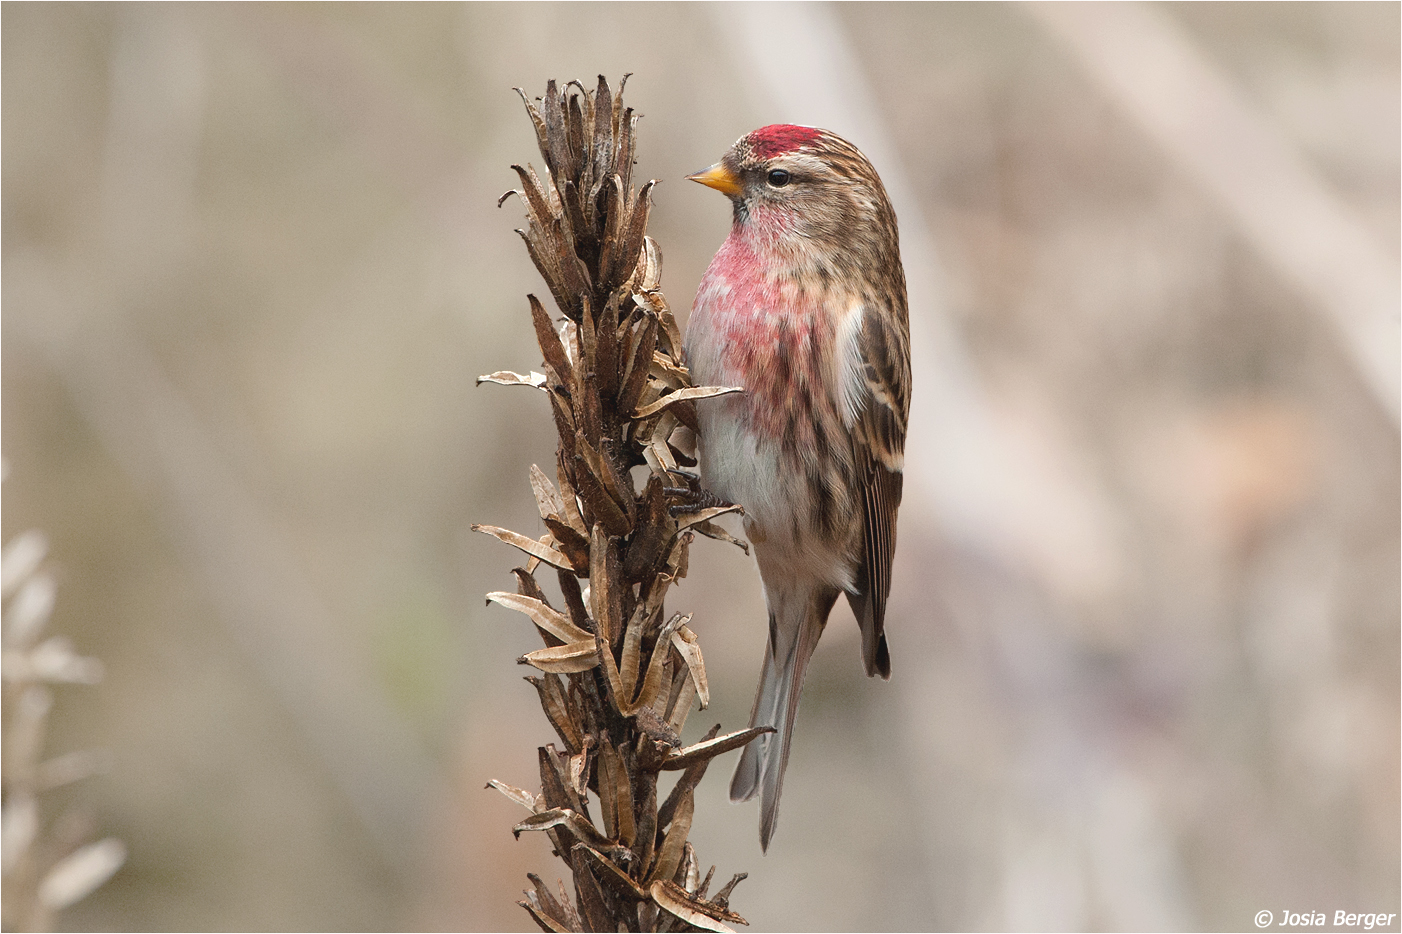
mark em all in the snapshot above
pixel 1142 59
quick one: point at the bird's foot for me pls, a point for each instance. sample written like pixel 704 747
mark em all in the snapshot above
pixel 692 498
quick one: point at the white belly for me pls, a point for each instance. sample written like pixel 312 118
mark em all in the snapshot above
pixel 742 468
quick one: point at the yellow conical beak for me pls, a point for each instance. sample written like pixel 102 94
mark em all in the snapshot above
pixel 718 177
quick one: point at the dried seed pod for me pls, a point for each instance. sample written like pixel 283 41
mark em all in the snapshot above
pixel 618 683
pixel 592 909
pixel 669 857
pixel 555 703
pixel 549 341
pixel 610 875
pixel 616 796
pixel 555 787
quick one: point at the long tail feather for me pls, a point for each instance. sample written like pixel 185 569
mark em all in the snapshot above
pixel 794 632
pixel 744 784
pixel 876 656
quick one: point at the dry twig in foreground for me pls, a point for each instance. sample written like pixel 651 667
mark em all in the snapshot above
pixel 618 676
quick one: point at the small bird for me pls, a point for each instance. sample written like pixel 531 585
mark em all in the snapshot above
pixel 804 307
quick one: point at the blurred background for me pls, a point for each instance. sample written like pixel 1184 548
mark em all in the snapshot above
pixel 1145 619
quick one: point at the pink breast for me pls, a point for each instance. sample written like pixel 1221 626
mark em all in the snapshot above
pixel 773 336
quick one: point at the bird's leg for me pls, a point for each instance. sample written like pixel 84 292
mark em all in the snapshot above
pixel 691 498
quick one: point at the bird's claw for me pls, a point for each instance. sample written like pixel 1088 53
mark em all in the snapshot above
pixel 691 499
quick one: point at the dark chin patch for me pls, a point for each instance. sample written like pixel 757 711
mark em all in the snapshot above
pixel 779 138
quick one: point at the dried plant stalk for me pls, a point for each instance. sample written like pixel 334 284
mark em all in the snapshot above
pixel 618 675
pixel 45 866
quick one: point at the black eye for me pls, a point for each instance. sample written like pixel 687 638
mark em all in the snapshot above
pixel 778 178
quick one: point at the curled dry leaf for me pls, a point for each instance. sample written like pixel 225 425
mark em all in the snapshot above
pixel 711 748
pixel 551 620
pixel 563 659
pixel 568 819
pixel 668 373
pixel 652 683
pixel 573 545
pixel 659 449
pixel 686 643
pixel 554 781
pixel 711 530
pixel 675 900
pixel 684 395
pixel 707 514
pixel 520 795
pixel 572 514
pixel 530 546
pixel 546 923
pixel 651 277
pixel 508 378
pixel 656 302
